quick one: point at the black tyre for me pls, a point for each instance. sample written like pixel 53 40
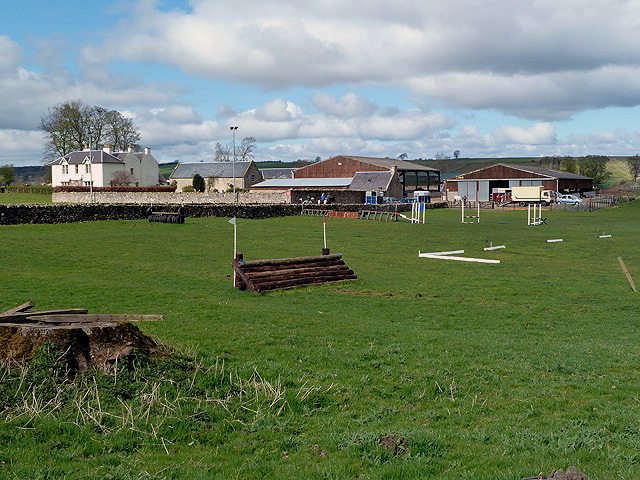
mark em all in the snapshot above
pixel 182 212
pixel 149 211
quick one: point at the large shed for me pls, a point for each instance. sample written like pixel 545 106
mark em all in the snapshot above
pixel 479 184
pixel 411 175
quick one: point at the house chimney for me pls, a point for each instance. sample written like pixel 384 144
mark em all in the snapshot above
pixel 107 148
pixel 129 149
pixel 85 148
pixel 147 150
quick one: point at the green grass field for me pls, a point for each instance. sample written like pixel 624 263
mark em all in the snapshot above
pixel 487 371
pixel 8 198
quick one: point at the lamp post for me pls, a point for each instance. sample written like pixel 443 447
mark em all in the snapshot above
pixel 90 169
pixel 233 129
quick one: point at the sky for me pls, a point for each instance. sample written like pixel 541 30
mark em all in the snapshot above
pixel 308 79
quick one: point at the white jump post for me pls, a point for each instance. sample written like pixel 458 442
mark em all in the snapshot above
pixel 475 217
pixel 536 218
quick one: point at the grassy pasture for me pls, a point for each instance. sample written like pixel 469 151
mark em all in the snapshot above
pixel 11 198
pixel 488 371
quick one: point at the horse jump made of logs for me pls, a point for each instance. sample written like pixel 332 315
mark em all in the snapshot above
pixel 261 276
pixel 167 217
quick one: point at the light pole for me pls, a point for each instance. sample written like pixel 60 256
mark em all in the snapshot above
pixel 90 169
pixel 233 129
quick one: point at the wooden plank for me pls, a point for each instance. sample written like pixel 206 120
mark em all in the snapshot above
pixel 628 275
pixel 21 316
pixel 19 308
pixel 94 318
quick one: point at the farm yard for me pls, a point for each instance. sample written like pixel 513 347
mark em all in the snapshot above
pixel 422 368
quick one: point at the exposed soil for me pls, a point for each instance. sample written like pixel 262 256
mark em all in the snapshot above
pixel 571 474
pixel 394 444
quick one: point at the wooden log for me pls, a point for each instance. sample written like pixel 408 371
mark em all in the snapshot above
pixel 266 271
pixel 628 275
pixel 19 308
pixel 293 276
pixel 296 271
pixel 94 318
pixel 275 268
pixel 285 261
pixel 237 267
pixel 265 287
pixel 22 316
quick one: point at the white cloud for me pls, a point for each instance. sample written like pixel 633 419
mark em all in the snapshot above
pixel 543 60
pixel 350 105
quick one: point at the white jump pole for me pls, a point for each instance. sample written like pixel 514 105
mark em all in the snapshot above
pixel 478 220
pixel 462 219
pixel 528 214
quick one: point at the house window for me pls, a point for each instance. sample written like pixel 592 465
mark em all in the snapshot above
pixel 132 171
pixel 87 167
pixel 77 168
pixel 253 178
pixel 86 184
pixel 65 169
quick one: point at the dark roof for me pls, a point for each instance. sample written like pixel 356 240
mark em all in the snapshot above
pixel 313 182
pixel 363 181
pixel 269 173
pixel 550 172
pixel 97 156
pixel 401 165
pixel 210 169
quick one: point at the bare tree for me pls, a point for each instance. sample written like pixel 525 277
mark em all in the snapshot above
pixel 244 151
pixel 223 153
pixel 403 156
pixel 120 132
pixel 456 154
pixel 72 124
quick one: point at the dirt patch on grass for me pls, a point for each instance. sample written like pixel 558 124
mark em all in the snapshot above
pixel 358 292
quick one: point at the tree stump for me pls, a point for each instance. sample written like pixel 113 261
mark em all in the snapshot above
pixel 84 341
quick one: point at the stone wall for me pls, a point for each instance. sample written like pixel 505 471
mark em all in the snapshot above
pixel 171 197
pixel 68 213
pixel 30 213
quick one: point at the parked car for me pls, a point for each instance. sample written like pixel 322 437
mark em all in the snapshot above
pixel 570 199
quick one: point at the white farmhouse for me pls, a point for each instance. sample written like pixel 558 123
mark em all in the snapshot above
pixel 100 167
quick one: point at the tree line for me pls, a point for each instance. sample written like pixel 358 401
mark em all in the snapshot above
pixel 72 125
pixel 594 166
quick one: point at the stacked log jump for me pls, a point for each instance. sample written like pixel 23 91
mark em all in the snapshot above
pixel 261 276
pixel 167 217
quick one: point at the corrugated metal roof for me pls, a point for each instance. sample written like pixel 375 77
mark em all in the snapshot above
pixel 549 172
pixel 363 181
pixel 304 183
pixel 97 156
pixel 210 169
